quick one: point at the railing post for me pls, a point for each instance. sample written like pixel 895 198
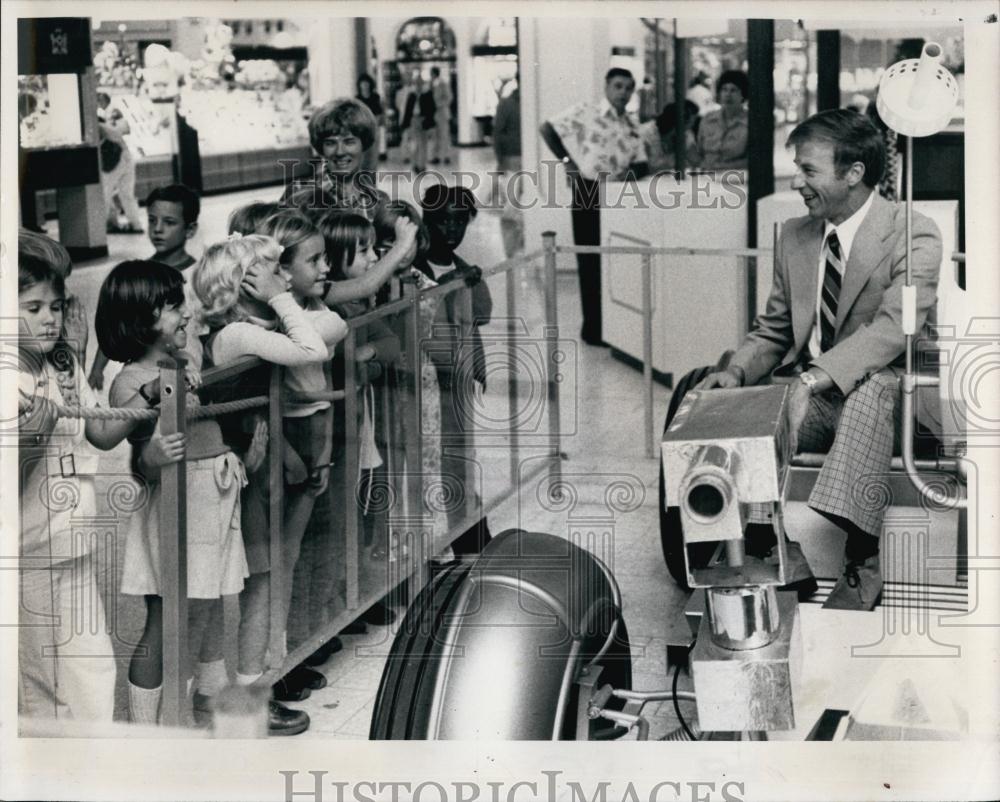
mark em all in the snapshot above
pixel 411 563
pixel 466 434
pixel 512 389
pixel 351 462
pixel 647 354
pixel 173 546
pixel 552 354
pixel 275 516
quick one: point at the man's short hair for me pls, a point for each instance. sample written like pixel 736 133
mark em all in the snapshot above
pixel 188 199
pixel 854 139
pixel 340 116
pixel 618 72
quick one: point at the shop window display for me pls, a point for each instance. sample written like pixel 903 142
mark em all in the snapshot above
pixel 265 99
pixel 37 95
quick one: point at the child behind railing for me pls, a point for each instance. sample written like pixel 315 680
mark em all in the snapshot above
pixel 141 320
pixel 429 421
pixel 65 661
pixel 308 418
pixel 460 363
pixel 251 311
pixel 350 253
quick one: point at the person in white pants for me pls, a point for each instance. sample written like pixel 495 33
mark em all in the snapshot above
pixel 442 117
pixel 118 179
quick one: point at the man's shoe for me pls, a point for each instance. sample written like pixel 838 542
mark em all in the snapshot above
pixel 287 690
pixel 860 587
pixel 305 677
pixel 324 652
pixel 282 720
pixel 378 615
pixel 356 627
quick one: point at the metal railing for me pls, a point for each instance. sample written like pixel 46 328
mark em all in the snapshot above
pixel 401 399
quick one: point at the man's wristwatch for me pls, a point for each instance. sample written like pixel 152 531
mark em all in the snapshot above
pixel 809 380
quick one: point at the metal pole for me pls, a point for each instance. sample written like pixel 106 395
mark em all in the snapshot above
pixel 680 93
pixel 276 516
pixel 552 354
pixel 173 546
pixel 466 434
pixel 351 462
pixel 911 381
pixel 647 354
pixel 512 388
pixel 413 564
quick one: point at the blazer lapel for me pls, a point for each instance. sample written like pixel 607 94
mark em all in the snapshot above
pixel 867 252
pixel 803 276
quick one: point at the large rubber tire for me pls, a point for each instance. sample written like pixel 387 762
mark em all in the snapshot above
pixel 671 534
pixel 403 703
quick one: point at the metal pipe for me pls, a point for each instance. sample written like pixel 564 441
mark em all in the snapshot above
pixel 910 380
pixel 936 495
pixel 564 690
pixel 641 725
pixel 551 348
pixel 512 388
pixel 351 461
pixel 810 460
pixel 647 355
pixel 652 696
pixel 276 514
pixel 639 250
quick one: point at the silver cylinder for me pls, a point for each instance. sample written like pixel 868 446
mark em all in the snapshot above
pixel 708 487
pixel 743 618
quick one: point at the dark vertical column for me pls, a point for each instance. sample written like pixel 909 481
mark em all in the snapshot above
pixel 360 45
pixel 827 70
pixel 760 60
pixel 680 92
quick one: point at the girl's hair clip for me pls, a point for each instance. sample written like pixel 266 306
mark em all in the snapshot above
pixel 234 236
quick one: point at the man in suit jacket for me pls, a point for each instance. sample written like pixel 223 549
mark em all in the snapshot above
pixel 834 318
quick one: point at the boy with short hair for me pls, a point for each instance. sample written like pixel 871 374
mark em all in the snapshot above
pixel 172 212
pixel 172 215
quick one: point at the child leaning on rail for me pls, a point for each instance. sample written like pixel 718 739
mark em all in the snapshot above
pixel 251 311
pixel 321 574
pixel 141 321
pixel 429 422
pixel 65 671
pixel 308 416
pixel 459 355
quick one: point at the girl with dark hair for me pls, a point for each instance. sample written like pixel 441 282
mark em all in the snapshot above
pixel 141 320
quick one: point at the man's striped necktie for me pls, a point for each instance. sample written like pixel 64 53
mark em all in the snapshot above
pixel 833 276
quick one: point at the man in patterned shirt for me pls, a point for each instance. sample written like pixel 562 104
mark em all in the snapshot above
pixel 596 142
